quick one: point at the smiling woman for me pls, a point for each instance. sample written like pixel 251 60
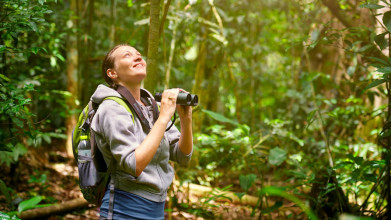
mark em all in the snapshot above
pixel 125 65
pixel 124 54
pixel 141 173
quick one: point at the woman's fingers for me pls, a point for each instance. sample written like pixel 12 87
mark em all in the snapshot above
pixel 182 90
pixel 171 94
pixel 168 102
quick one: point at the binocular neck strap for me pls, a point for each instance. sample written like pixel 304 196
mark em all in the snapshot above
pixel 155 108
pixel 132 101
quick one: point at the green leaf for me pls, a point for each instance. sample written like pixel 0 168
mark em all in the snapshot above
pixel 374 84
pixel 247 181
pixel 2 48
pixel 142 22
pixel 47 138
pixel 35 50
pixel 274 191
pixel 358 160
pixel 219 117
pixel 29 204
pixel 209 23
pixel 130 3
pixel 343 164
pixel 371 6
pixel 240 195
pixel 311 118
pixel 377 163
pixel 59 56
pixel 58 135
pixel 378 60
pixel 381 41
pixel 365 48
pixel 18 151
pixel 4 191
pixel 4 77
pixel 192 53
pixel 370 177
pixel 33 26
pixel 385 134
pixel 220 38
pixel 386 69
pixel 270 209
pixel 387 20
pixel 18 122
pixel 277 156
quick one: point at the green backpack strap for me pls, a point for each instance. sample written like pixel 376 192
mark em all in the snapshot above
pixel 121 102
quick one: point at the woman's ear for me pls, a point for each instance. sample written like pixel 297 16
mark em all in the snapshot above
pixel 111 73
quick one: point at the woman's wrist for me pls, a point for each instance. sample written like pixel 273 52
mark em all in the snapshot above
pixel 186 118
pixel 163 119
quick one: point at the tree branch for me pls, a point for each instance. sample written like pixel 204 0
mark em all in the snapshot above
pixel 54 209
pixel 166 6
pixel 344 18
pixel 338 13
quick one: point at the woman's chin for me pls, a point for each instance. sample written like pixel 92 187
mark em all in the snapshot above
pixel 139 77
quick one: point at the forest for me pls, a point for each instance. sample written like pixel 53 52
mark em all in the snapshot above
pixel 293 119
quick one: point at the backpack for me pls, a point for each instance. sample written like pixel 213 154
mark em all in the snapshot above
pixel 94 173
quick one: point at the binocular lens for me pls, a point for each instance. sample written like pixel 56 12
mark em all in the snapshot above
pixel 194 100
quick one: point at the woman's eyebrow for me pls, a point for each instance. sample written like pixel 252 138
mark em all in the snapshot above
pixel 127 51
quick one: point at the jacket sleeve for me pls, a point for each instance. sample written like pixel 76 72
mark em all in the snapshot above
pixel 115 125
pixel 176 154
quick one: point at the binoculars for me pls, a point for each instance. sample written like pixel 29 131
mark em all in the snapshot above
pixel 182 99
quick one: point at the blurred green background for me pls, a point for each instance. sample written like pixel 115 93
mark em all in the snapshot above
pixel 294 95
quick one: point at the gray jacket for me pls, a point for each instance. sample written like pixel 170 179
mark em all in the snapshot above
pixel 118 137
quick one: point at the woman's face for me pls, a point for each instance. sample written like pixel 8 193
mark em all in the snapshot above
pixel 129 66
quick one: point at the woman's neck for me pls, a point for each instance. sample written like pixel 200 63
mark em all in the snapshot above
pixel 134 90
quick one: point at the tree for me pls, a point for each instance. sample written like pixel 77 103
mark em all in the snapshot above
pixel 72 75
pixel 153 46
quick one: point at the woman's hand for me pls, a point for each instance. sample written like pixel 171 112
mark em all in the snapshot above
pixel 168 104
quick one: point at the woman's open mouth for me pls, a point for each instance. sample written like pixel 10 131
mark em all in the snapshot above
pixel 138 65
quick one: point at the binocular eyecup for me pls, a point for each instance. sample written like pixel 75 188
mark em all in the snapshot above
pixel 182 99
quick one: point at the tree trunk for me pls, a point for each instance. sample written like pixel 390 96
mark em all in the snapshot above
pixel 235 88
pixel 199 78
pixel 153 46
pixel 113 4
pixel 172 50
pixel 86 73
pixel 72 73
pixel 204 191
pixel 40 213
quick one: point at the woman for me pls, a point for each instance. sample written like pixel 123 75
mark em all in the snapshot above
pixel 142 173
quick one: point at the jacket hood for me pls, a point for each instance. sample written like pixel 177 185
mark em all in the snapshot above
pixel 103 92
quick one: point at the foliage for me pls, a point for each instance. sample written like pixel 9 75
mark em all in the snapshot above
pixel 4 191
pixel 285 90
pixel 29 204
pixel 220 148
pixel 203 207
pixel 281 192
pixel 24 31
pixel 4 216
pixel 17 204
